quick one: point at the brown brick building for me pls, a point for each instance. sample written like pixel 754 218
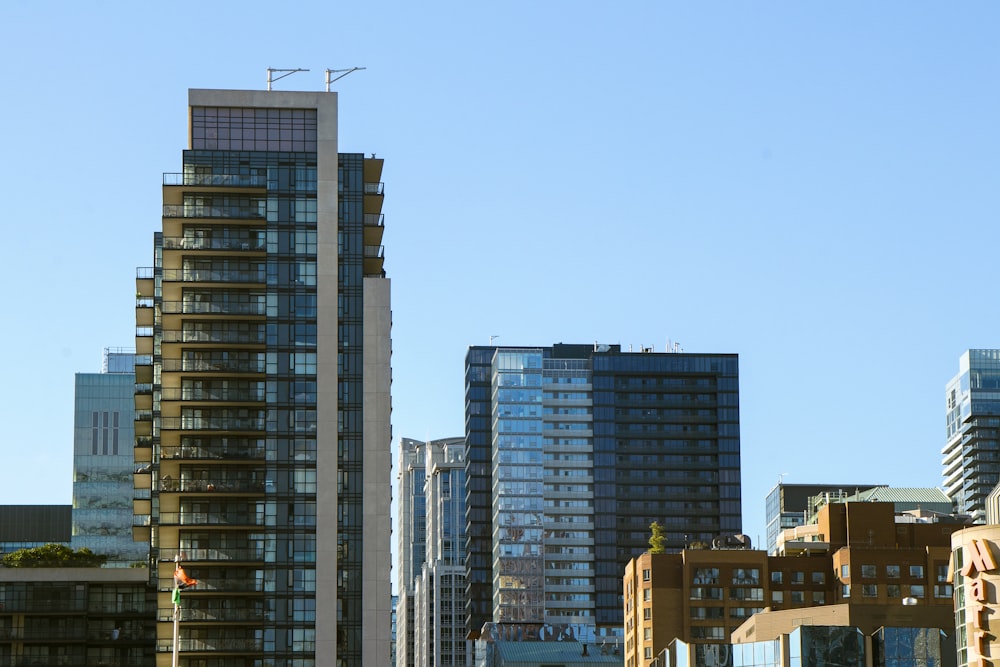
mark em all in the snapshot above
pixel 858 553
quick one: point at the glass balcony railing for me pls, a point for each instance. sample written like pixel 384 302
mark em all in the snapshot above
pixel 214 308
pixel 374 219
pixel 215 211
pixel 247 645
pixel 250 554
pixel 214 365
pixel 217 180
pixel 374 188
pixel 221 423
pixel 251 244
pixel 232 395
pixel 211 519
pixel 214 485
pixel 227 335
pixel 252 451
pixel 228 614
pixel 214 275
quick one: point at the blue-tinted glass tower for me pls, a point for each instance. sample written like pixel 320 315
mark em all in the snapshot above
pixel 605 442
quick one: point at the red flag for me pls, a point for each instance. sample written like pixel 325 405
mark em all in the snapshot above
pixel 181 580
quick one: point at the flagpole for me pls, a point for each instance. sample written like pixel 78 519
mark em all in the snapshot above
pixel 177 612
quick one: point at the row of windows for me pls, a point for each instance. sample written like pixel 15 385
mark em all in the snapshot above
pixel 893 571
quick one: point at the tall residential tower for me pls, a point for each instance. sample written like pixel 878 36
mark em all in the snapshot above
pixel 262 390
pixel 971 455
pixel 571 452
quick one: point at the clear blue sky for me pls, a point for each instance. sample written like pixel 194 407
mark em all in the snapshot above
pixel 813 186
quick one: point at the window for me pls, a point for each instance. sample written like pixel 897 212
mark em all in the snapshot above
pixel 648 652
pixel 892 590
pixel 892 571
pixel 746 593
pixel 845 591
pixel 776 577
pixel 942 590
pixel 798 597
pixel 646 614
pixel 916 591
pixel 869 591
pixel 746 576
pixel 645 575
pixel 819 577
pixel 819 597
pixel 917 571
pixel 868 571
pixel 706 575
pixel 942 573
pixel 777 597
pixel 647 594
pixel 798 578
pixel 845 571
pixel 647 634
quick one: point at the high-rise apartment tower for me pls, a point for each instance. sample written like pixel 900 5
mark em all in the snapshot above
pixel 971 455
pixel 262 390
pixel 571 452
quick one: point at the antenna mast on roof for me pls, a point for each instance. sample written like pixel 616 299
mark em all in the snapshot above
pixel 287 72
pixel 341 72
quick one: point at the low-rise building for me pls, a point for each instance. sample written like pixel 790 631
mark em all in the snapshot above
pixel 861 554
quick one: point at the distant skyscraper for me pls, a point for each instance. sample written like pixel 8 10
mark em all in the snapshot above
pixel 262 395
pixel 971 455
pixel 431 573
pixel 572 451
pixel 439 607
pixel 103 466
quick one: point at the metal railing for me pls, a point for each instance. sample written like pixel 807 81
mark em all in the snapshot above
pixel 251 244
pixel 217 180
pixel 215 276
pixel 221 211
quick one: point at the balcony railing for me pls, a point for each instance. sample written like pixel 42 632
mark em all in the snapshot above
pixel 252 244
pixel 214 275
pixel 374 219
pixel 212 486
pixel 228 451
pixel 228 336
pixel 247 645
pixel 229 423
pixel 217 180
pixel 232 395
pixel 221 211
pixel 228 615
pixel 211 519
pixel 374 188
pixel 214 308
pixel 214 366
pixel 375 251
pixel 214 554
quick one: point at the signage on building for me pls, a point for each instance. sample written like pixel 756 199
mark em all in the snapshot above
pixel 977 559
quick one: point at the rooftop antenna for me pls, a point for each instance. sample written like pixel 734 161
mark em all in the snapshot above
pixel 491 339
pixel 341 72
pixel 287 72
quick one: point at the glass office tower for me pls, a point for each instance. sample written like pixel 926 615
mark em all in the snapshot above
pixel 102 461
pixel 571 452
pixel 262 390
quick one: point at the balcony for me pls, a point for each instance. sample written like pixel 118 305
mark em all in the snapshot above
pixel 374 260
pixel 247 645
pixel 231 519
pixel 246 244
pixel 221 394
pixel 229 614
pixel 248 554
pixel 214 423
pixel 216 211
pixel 215 484
pixel 222 336
pixel 251 450
pixel 217 180
pixel 214 276
pixel 215 365
pixel 258 307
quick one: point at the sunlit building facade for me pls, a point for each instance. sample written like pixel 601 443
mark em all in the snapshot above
pixel 262 402
pixel 971 455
